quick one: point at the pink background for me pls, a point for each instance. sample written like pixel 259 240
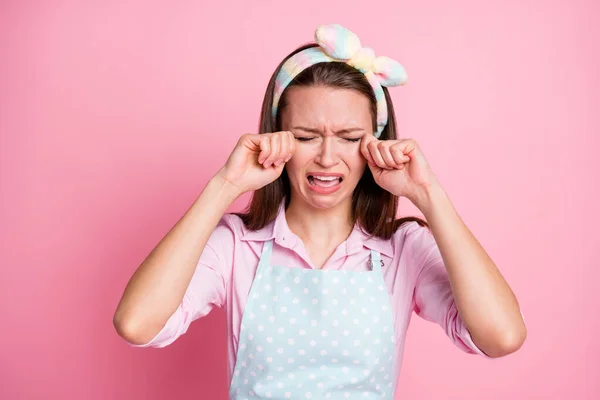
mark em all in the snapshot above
pixel 113 115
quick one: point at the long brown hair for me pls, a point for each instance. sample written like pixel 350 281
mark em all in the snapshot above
pixel 373 208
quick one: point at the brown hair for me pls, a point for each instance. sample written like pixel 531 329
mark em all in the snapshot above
pixel 373 207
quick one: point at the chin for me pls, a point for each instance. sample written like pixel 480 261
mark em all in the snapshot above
pixel 324 203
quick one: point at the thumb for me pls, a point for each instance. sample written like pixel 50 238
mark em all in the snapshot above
pixel 251 141
pixel 375 169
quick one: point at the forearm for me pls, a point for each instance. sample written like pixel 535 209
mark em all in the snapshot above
pixel 484 300
pixel 158 285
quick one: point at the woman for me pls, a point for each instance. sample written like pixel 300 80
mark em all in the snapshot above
pixel 318 278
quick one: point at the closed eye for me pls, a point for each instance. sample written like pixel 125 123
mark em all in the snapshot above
pixel 305 139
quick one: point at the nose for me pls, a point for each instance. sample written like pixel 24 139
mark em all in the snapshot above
pixel 328 156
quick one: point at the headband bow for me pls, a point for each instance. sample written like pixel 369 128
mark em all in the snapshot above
pixel 337 43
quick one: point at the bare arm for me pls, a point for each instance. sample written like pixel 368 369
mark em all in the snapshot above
pixel 158 285
pixel 484 300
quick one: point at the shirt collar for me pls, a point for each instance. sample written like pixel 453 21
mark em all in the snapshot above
pixel 358 238
pixel 277 228
pixel 280 231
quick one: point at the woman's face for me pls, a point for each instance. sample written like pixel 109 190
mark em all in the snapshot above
pixel 328 124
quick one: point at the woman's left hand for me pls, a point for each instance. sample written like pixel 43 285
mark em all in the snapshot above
pixel 399 166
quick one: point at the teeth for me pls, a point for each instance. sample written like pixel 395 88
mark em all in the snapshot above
pixel 326 178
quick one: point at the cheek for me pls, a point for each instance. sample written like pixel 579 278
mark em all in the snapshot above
pixel 357 162
pixel 301 157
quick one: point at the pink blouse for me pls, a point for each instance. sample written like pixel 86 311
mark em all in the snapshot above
pixel 413 271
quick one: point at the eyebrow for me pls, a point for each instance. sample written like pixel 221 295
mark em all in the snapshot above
pixel 341 131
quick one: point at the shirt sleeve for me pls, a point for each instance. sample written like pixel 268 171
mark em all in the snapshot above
pixel 207 288
pixel 433 297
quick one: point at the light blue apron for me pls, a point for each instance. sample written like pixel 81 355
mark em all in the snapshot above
pixel 315 334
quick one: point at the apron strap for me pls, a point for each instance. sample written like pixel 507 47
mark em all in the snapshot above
pixel 375 261
pixel 265 257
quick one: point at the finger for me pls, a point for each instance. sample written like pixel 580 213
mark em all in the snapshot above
pixel 292 148
pixel 399 157
pixel 275 145
pixel 376 156
pixel 384 150
pixel 265 149
pixel 407 146
pixel 283 150
pixel 364 147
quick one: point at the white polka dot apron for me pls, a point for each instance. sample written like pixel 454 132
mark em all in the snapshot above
pixel 315 334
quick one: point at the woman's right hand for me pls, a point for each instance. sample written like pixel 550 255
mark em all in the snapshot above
pixel 258 159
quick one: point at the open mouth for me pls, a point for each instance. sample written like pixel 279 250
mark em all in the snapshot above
pixel 324 181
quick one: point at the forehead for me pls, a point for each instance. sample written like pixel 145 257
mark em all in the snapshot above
pixel 326 106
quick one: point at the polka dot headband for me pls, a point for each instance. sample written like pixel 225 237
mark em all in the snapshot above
pixel 337 43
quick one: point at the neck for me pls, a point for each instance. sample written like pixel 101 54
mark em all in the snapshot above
pixel 320 227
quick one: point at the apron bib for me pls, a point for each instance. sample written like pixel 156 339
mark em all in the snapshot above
pixel 310 333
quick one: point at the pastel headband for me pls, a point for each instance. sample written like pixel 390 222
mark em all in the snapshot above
pixel 337 43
